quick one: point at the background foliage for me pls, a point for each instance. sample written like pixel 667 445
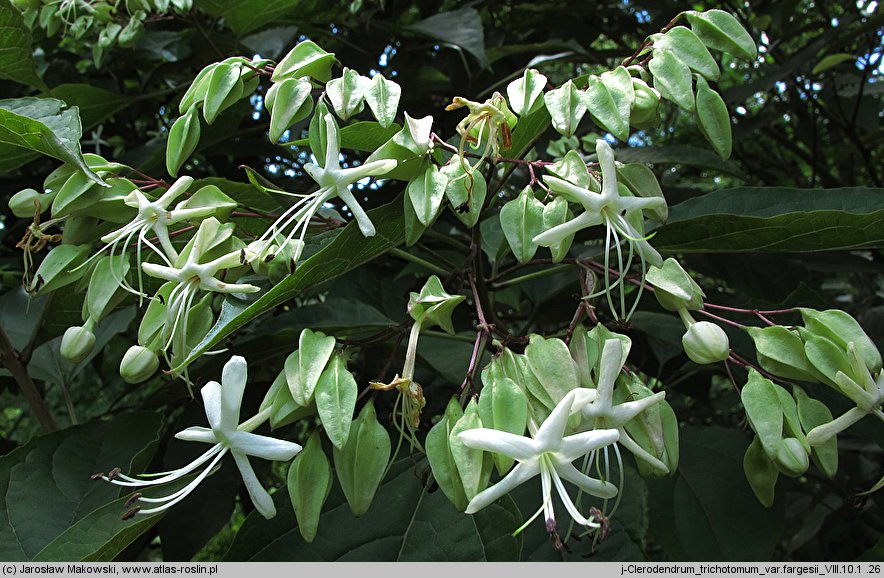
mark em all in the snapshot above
pixel 807 114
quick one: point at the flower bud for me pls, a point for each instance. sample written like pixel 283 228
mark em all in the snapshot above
pixel 644 109
pixel 138 364
pixel 22 204
pixel 76 344
pixel 706 342
pixel 792 459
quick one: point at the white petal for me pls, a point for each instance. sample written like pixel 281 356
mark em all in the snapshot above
pixel 620 414
pixel 583 443
pixel 642 454
pixel 518 476
pixel 589 485
pixel 549 434
pixel 264 447
pixel 491 440
pixel 197 434
pixel 566 500
pixel 211 393
pixel 610 365
pixel 262 500
pixel 233 384
pixel 366 227
pixel 609 170
pixel 174 191
pixel 161 271
pixel 566 229
pixel 332 150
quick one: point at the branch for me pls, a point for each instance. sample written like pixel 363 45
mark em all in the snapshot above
pixel 13 363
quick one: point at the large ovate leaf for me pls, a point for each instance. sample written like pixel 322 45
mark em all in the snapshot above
pixel 16 57
pixel 347 251
pixel 44 125
pixel 461 28
pixel 48 491
pixel 689 518
pixel 775 219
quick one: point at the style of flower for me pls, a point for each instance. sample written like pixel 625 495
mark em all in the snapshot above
pixel 191 276
pixel 333 181
pixel 602 413
pixel 222 404
pixel 548 453
pixel 610 209
pixel 152 216
pixel 485 120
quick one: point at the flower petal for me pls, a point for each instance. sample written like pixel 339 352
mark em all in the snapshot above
pixel 491 440
pixel 642 454
pixel 233 384
pixel 264 447
pixel 620 414
pixel 161 271
pixel 211 393
pixel 586 442
pixel 518 476
pixel 262 500
pixel 197 434
pixel 566 229
pixel 549 434
pixel 569 504
pixel 366 227
pixel 589 485
pixel 610 365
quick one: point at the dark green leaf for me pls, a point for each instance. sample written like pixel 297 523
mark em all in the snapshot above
pixel 462 28
pixel 16 59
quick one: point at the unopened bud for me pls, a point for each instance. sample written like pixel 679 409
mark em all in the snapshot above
pixel 706 342
pixel 791 458
pixel 138 364
pixel 644 109
pixel 24 203
pixel 76 344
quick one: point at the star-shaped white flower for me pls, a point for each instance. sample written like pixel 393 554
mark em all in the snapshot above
pixel 550 454
pixel 602 413
pixel 333 181
pixel 153 216
pixel 606 208
pixel 222 404
pixel 191 276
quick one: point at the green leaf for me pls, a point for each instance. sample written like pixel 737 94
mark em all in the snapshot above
pixel 439 533
pixel 566 106
pixel 842 329
pixel 761 473
pixel 245 16
pixel 689 518
pixel 441 459
pixel 552 365
pixel 555 213
pixel 314 351
pixel 469 462
pixel 366 136
pixel 775 219
pixel 683 155
pixel 688 48
pixel 305 59
pixel 346 94
pixel 361 462
pixel 16 56
pixel 292 103
pixel 521 220
pixel 465 192
pixel 831 61
pixel 309 482
pixel 713 119
pixel 720 30
pixel 335 395
pixel 813 413
pixel 224 84
pixel 763 409
pixel 346 252
pixel 502 406
pixel 781 352
pixel 461 28
pixel 382 96
pixel 47 126
pixel 672 78
pixel 524 93
pixel 183 138
pixel 426 193
pixel 48 491
pixel 60 267
pixel 604 110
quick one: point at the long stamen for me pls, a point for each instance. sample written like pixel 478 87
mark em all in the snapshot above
pixel 608 266
pixel 189 488
pixel 620 273
pixel 165 477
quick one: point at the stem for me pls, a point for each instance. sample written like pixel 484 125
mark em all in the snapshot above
pixel 529 277
pixel 721 319
pixel 411 351
pixel 256 420
pixel 23 379
pixel 396 252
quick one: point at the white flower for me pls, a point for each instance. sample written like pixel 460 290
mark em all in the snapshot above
pixel 222 403
pixel 333 181
pixel 602 413
pixel 549 453
pixel 191 276
pixel 606 208
pixel 152 216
